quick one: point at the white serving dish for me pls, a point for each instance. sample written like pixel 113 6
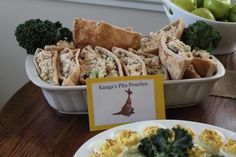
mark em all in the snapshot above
pixel 72 99
pixel 227 29
pixel 87 147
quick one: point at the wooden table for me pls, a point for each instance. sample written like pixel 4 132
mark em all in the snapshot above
pixel 30 127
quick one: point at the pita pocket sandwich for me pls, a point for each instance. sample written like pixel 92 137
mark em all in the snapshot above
pixel 46 65
pixel 204 63
pixel 153 64
pixel 98 63
pixel 191 73
pixel 151 43
pixel 175 56
pixel 68 67
pixel 131 63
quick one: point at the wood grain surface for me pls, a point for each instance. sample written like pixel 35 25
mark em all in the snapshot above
pixel 29 127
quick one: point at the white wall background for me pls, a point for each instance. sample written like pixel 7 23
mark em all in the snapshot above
pixel 14 12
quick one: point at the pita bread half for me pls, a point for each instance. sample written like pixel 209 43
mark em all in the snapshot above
pixel 113 64
pixel 98 63
pixel 204 63
pixel 46 65
pixel 131 63
pixel 191 73
pixel 151 43
pixel 88 60
pixel 68 67
pixel 175 62
pixel 174 29
pixel 90 32
pixel 153 64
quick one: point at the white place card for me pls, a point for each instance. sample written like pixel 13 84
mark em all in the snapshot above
pixel 116 101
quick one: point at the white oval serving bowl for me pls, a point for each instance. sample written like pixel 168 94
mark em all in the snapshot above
pixel 227 29
pixel 73 99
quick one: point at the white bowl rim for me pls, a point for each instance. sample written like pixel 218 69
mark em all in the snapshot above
pixel 33 76
pixel 200 18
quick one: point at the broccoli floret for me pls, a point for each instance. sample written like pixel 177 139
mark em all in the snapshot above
pixel 36 33
pixel 201 35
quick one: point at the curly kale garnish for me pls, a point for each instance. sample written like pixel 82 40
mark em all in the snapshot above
pixel 201 35
pixel 35 33
pixel 167 143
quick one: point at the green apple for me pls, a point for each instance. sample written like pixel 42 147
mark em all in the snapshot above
pixel 199 3
pixel 204 12
pixel 219 8
pixel 188 5
pixel 232 15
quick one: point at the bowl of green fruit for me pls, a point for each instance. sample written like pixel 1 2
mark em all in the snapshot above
pixel 221 14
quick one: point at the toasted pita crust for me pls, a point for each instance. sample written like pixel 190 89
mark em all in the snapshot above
pixel 174 29
pixel 151 43
pixel 60 46
pixel 45 61
pixel 101 50
pixel 191 73
pixel 204 63
pixel 69 76
pixel 161 68
pixel 73 78
pixel 90 32
pixel 175 64
pixel 116 51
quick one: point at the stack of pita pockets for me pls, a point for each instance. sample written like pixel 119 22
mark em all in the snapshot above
pixel 99 51
pixel 180 61
pixel 58 64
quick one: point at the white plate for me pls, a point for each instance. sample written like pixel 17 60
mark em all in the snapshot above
pixel 86 149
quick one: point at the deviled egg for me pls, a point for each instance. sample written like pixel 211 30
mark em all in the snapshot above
pixel 197 151
pixel 229 149
pixel 211 140
pixel 130 139
pixel 110 148
pixel 149 131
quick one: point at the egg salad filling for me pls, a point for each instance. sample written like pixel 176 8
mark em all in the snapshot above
pixel 97 66
pixel 153 65
pixel 68 62
pixel 133 65
pixel 111 66
pixel 179 48
pixel 46 66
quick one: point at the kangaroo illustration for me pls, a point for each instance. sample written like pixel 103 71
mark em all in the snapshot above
pixel 127 108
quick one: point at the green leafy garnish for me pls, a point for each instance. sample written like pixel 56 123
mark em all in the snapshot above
pixel 167 143
pixel 35 33
pixel 201 35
